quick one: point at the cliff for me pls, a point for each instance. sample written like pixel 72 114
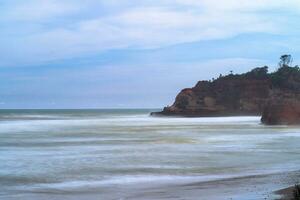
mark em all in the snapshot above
pixel 283 109
pixel 253 93
pixel 283 103
pixel 243 94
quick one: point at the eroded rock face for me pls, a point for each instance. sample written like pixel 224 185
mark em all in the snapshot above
pixel 282 109
pixel 223 97
pixel 275 96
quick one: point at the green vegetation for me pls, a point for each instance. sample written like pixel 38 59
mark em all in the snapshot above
pixel 286 76
pixel 258 73
pixel 285 60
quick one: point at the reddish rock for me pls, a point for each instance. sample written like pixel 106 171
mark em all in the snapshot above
pixel 231 95
pixel 275 96
pixel 282 110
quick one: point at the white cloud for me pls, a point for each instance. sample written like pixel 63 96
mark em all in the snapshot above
pixel 37 11
pixel 147 24
pixel 241 6
pixel 159 27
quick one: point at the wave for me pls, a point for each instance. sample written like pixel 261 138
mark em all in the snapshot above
pixel 86 150
pixel 146 180
pixel 44 122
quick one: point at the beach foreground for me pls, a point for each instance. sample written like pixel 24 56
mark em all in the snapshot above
pixel 242 188
pixel 126 154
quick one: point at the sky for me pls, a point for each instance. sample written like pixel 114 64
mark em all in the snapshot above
pixel 134 53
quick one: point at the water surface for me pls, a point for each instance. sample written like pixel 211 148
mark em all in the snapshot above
pixel 44 153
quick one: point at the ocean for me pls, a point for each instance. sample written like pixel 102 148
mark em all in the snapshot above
pixel 127 154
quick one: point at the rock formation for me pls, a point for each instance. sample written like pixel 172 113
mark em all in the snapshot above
pixel 284 110
pixel 243 94
pixel 283 103
pixel 275 96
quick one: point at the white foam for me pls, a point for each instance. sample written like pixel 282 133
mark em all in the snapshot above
pixel 135 120
pixel 155 179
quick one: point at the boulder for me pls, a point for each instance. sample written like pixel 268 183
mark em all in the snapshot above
pixel 282 110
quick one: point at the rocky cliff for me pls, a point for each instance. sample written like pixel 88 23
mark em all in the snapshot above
pixel 243 94
pixel 254 93
pixel 283 109
pixel 283 103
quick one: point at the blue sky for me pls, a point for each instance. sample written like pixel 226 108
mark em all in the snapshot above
pixel 134 54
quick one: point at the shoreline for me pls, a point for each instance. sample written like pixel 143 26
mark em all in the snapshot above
pixel 198 115
pixel 240 188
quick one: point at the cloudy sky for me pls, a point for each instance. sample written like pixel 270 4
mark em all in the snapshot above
pixel 134 53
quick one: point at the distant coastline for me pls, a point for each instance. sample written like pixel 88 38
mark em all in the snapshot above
pixel 274 96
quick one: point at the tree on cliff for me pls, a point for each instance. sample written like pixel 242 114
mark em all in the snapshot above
pixel 285 60
pixel 286 76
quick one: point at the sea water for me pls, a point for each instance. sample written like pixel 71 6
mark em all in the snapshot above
pixel 44 153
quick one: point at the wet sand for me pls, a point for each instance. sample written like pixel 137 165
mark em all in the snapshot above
pixel 241 188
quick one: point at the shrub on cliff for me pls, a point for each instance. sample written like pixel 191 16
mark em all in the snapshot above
pixel 257 73
pixel 286 78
